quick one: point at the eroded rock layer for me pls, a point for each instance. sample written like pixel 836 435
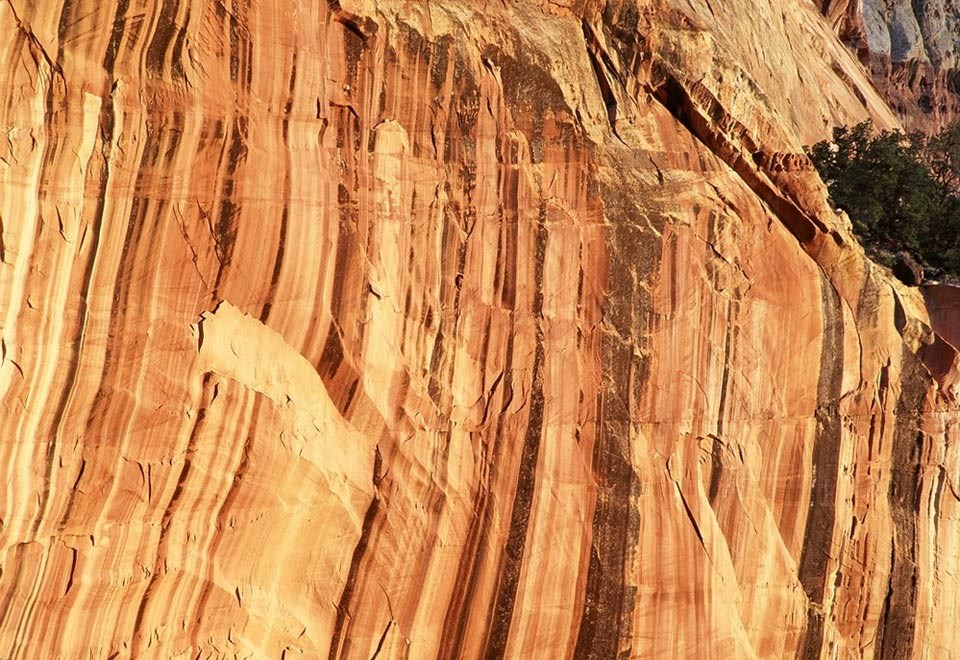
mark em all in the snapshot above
pixel 912 50
pixel 460 330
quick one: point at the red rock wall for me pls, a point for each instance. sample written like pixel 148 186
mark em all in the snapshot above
pixel 412 330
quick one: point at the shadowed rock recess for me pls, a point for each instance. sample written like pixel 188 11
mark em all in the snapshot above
pixel 457 329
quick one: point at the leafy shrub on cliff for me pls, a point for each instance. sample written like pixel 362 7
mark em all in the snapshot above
pixel 901 191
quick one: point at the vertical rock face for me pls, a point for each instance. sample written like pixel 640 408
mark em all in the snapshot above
pixel 413 330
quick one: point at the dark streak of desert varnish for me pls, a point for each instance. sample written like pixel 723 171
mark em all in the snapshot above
pixel 610 593
pixel 285 212
pixel 818 536
pixel 732 310
pixel 512 558
pixel 898 617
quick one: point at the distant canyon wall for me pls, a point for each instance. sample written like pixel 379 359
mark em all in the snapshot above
pixel 912 50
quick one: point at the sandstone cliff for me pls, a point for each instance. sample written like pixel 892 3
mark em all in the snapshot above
pixel 455 329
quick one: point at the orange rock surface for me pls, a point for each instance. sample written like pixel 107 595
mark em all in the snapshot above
pixel 456 329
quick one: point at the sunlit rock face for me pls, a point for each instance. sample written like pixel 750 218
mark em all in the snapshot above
pixel 459 330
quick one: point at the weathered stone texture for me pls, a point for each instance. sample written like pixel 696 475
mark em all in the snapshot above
pixel 456 329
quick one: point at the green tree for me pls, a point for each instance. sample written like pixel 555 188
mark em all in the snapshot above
pixel 901 191
pixel 941 244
